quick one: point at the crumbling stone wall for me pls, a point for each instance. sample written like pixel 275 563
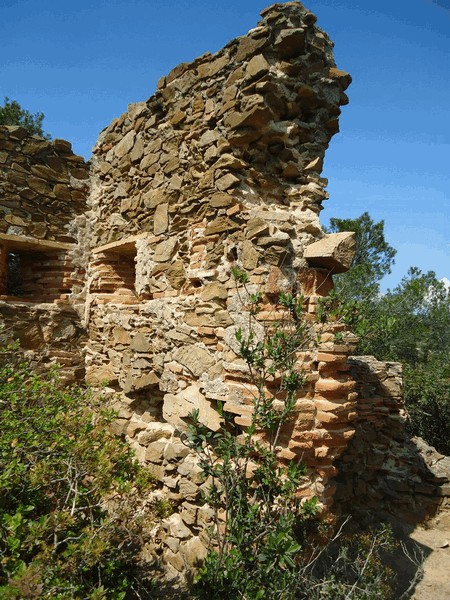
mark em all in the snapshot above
pixel 43 189
pixel 233 135
pixel 48 333
pixel 220 168
pixel 384 469
pixel 43 186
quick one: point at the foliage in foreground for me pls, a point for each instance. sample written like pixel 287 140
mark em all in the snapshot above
pixel 59 469
pixel 11 113
pixel 263 536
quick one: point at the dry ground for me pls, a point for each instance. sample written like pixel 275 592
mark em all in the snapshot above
pixel 429 547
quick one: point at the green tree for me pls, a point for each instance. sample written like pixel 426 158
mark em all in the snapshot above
pixel 11 113
pixel 419 310
pixel 419 313
pixel 373 260
pixel 409 324
pixel 427 396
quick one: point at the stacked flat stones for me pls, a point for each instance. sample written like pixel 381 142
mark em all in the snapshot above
pixel 43 186
pixel 221 167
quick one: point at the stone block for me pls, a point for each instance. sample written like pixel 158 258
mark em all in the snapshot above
pixel 154 452
pixel 140 343
pixel 125 145
pixel 176 451
pixel 161 219
pixel 335 252
pixel 196 359
pixel 151 432
pixel 174 559
pixel 257 66
pixel 290 42
pixel 334 388
pixel 194 552
pixel 188 489
pixel 227 181
pixel 140 382
pixel 178 407
pixel 165 250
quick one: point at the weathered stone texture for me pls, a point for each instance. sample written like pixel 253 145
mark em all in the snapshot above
pixel 384 469
pixel 51 335
pixel 43 186
pixel 220 168
pixel 334 252
pixel 238 123
pixel 43 190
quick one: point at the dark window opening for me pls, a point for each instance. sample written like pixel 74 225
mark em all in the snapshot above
pixel 14 280
pixel 37 276
pixel 34 270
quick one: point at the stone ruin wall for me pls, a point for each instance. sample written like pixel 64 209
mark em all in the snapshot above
pixel 221 167
pixel 384 470
pixel 43 191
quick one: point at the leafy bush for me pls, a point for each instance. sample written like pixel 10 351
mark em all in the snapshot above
pixel 411 324
pixel 262 539
pixel 427 396
pixel 260 520
pixel 68 492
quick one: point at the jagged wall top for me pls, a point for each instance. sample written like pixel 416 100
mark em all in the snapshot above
pixel 249 124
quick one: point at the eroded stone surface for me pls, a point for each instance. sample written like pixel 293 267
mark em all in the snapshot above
pixel 334 252
pixel 220 168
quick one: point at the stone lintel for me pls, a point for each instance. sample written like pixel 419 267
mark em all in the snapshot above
pixel 125 245
pixel 19 242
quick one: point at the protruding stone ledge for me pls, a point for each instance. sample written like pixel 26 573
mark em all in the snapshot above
pixel 335 252
pixel 28 243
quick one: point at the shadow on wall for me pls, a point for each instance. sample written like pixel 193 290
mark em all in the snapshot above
pixel 385 474
pixel 385 471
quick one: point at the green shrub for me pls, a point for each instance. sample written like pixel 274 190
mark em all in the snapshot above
pixel 262 541
pixel 427 396
pixel 68 492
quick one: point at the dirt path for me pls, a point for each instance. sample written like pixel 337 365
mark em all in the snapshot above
pixel 435 584
pixel 428 564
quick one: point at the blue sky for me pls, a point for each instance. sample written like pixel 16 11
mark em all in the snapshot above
pixel 82 62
